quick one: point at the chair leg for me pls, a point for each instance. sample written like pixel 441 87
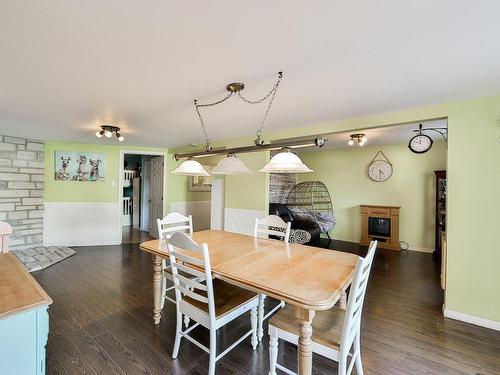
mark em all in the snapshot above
pixel 213 351
pixel 163 292
pixel 343 364
pixel 357 350
pixel 178 335
pixel 163 284
pixel 260 331
pixel 253 321
pixel 273 354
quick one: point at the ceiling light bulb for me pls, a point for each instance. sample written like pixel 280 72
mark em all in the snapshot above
pixel 350 143
pixel 364 139
pixel 361 144
pixel 98 134
pixel 121 138
pixel 108 133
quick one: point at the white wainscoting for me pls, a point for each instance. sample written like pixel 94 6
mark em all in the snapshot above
pixel 242 221
pixel 81 223
pixel 491 324
pixel 200 210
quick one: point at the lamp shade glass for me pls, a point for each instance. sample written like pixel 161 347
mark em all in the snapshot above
pixel 231 165
pixel 190 168
pixel 286 162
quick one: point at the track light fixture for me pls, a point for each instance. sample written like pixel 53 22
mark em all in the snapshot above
pixel 360 138
pixel 108 130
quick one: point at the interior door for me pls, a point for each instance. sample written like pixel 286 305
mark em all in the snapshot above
pixel 156 194
pixel 136 202
pixel 145 196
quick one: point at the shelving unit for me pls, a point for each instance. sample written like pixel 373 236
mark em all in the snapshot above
pixel 440 224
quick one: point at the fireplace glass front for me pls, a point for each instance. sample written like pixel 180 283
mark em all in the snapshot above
pixel 378 226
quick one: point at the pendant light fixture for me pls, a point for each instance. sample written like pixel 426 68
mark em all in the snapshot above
pixel 286 161
pixel 190 167
pixel 283 162
pixel 231 165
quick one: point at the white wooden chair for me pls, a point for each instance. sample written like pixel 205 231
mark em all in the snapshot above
pixel 210 303
pixel 272 225
pixel 275 226
pixel 335 331
pixel 173 222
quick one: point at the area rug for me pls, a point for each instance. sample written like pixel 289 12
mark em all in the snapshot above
pixel 38 258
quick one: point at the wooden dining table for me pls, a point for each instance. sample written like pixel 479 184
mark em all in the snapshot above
pixel 306 277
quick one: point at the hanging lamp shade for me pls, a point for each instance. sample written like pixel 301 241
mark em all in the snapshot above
pixel 190 168
pixel 286 161
pixel 231 165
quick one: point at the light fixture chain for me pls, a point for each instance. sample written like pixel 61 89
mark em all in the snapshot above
pixel 272 94
pixel 203 126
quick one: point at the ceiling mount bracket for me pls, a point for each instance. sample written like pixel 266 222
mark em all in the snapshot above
pixel 235 87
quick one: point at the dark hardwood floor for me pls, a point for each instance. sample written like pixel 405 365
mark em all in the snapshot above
pixel 131 235
pixel 101 322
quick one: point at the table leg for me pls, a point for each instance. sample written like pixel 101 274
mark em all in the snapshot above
pixel 343 300
pixel 157 287
pixel 304 319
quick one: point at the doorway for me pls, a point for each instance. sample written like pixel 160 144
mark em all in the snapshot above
pixel 141 195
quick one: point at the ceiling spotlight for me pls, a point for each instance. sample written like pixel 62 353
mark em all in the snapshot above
pixel 359 138
pixel 108 130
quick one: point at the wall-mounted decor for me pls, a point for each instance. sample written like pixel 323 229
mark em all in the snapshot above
pixel 200 183
pixel 380 170
pixel 79 166
pixel 421 143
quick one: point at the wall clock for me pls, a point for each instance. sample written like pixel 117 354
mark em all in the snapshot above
pixel 380 170
pixel 421 143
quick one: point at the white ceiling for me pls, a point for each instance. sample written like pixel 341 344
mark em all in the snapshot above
pixel 68 65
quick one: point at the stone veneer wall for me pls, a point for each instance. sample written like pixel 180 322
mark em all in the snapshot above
pixel 21 190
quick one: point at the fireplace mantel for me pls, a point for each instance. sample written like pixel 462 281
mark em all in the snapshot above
pixel 384 226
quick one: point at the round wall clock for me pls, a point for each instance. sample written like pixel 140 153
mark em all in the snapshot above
pixel 420 143
pixel 380 170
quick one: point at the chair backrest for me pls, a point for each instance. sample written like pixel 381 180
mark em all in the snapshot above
pixel 272 225
pixel 352 320
pixel 183 251
pixel 174 222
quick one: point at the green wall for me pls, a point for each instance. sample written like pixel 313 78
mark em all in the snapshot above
pixel 241 191
pixel 473 193
pixel 177 186
pixel 344 172
pixel 75 191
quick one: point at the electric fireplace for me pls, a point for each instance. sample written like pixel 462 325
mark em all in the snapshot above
pixel 379 226
pixel 380 223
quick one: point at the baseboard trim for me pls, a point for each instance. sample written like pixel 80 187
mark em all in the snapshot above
pixel 476 320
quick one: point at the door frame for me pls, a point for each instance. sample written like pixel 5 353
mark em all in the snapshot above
pixel 120 183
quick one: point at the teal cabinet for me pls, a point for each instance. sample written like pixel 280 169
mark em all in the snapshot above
pixel 24 320
pixel 23 338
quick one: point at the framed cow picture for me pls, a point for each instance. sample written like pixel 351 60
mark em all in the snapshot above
pixel 79 166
